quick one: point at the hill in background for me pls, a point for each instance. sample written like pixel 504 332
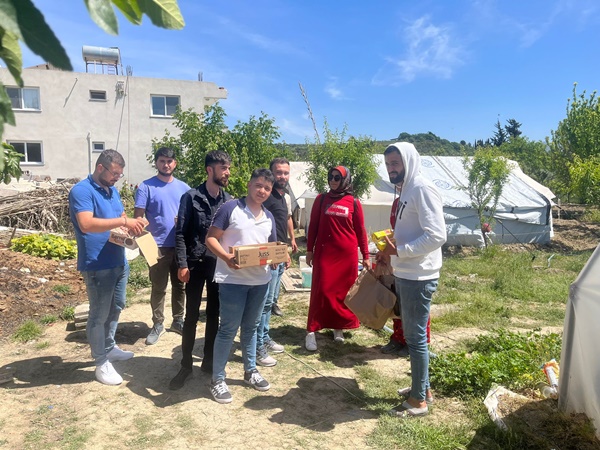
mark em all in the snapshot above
pixel 426 144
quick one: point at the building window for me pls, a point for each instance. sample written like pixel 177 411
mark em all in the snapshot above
pixel 24 98
pixel 98 96
pixel 32 151
pixel 164 105
pixel 97 146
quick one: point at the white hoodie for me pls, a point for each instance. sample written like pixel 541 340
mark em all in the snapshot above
pixel 420 229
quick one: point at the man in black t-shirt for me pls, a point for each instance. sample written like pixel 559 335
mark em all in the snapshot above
pixel 280 207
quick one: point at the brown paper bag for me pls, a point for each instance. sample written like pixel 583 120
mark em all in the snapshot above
pixel 371 301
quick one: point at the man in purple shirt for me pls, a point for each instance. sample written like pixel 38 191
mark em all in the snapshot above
pixel 158 198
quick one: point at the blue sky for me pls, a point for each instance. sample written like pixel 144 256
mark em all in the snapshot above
pixel 381 67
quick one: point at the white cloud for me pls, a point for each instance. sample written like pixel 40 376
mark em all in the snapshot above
pixel 431 50
pixel 530 22
pixel 259 40
pixel 332 89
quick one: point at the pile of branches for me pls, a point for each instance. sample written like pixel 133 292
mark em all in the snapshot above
pixel 43 209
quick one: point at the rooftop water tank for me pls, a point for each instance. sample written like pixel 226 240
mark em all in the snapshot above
pixel 106 55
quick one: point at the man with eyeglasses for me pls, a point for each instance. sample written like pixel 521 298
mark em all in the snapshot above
pixel 158 199
pixel 95 208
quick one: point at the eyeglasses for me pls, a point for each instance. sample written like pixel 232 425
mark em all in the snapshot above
pixel 115 175
pixel 334 177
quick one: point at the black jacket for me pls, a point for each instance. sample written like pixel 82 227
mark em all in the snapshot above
pixel 193 220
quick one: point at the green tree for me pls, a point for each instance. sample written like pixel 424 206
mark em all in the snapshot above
pixel 500 136
pixel 199 133
pixel 253 147
pixel 487 173
pixel 533 157
pixel 513 129
pixel 250 144
pixel 578 135
pixel 21 21
pixel 585 179
pixel 356 153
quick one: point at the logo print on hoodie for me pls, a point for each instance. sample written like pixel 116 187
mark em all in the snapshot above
pixel 401 210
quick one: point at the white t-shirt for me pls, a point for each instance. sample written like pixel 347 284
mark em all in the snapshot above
pixel 240 227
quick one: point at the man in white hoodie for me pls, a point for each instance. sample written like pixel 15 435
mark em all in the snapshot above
pixel 416 258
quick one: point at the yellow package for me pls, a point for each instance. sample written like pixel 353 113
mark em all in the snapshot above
pixel 379 238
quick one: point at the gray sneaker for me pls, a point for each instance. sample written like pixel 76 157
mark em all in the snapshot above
pixel 220 392
pixel 255 380
pixel 155 333
pixel 263 358
pixel 177 327
pixel 274 347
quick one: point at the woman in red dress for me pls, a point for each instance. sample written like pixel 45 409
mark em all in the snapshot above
pixel 335 232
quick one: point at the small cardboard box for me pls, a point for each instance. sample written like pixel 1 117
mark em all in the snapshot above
pixel 260 254
pixel 145 242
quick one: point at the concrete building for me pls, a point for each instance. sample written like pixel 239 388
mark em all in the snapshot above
pixel 65 119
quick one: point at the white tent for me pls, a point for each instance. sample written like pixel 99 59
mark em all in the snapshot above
pixel 523 215
pixel 579 380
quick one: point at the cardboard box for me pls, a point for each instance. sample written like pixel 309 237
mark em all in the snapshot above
pixel 145 242
pixel 260 254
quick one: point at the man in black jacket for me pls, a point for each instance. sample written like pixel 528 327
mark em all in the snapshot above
pixel 196 263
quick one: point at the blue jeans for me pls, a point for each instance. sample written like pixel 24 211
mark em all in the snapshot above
pixel 106 290
pixel 240 305
pixel 262 332
pixel 415 302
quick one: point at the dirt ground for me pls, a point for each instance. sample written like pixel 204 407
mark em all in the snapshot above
pixel 54 401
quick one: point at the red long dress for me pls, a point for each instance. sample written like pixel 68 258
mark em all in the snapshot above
pixel 336 230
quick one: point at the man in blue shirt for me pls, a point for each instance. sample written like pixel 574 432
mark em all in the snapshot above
pixel 95 208
pixel 158 198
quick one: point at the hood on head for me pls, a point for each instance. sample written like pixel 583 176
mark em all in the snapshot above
pixel 410 158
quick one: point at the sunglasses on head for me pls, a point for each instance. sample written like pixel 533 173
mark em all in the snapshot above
pixel 334 177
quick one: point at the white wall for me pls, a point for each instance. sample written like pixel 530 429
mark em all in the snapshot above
pixel 68 118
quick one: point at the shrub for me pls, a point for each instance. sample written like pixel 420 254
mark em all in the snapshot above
pixel 502 357
pixel 61 288
pixel 46 246
pixel 48 319
pixel 29 331
pixel 68 313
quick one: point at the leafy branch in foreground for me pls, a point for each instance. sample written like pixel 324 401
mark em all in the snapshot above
pixel 21 21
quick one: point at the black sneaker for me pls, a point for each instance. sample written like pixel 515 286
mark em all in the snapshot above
pixel 179 380
pixel 206 368
pixel 275 309
pixel 255 380
pixel 220 392
pixel 402 352
pixel 392 347
pixel 177 327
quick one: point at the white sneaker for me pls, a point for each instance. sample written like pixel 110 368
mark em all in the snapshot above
pixel 338 335
pixel 116 354
pixel 311 342
pixel 263 358
pixel 106 374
